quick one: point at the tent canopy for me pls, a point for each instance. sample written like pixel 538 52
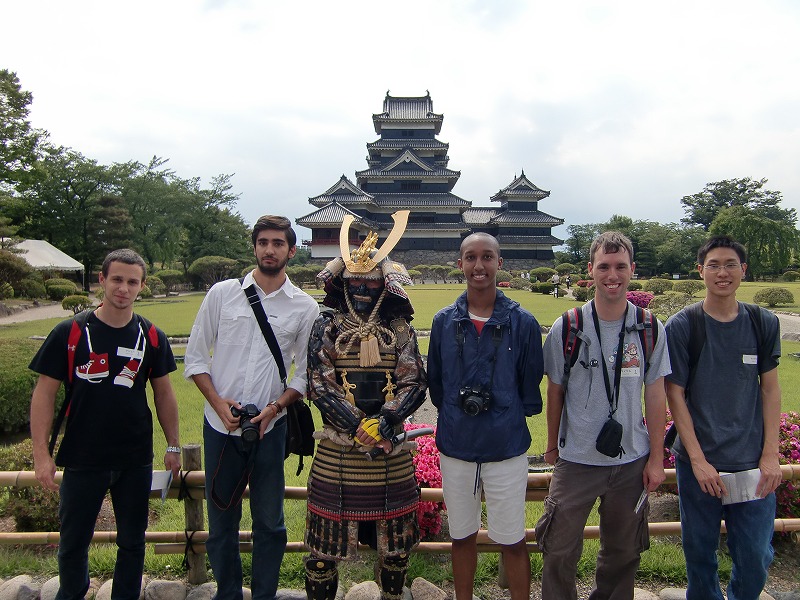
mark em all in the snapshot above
pixel 42 255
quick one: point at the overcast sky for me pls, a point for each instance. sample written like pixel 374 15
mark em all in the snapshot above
pixel 616 107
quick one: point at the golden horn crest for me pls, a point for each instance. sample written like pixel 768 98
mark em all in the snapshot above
pixel 360 260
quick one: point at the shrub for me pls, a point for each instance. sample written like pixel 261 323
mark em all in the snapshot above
pixel 417 275
pixel 542 273
pixel 657 286
pixel 791 276
pixel 788 492
pixel 172 278
pixel 542 287
pixel 13 268
pixel 456 274
pixel 6 290
pixel 584 283
pixel 59 281
pixel 638 298
pixel 634 286
pixel 565 268
pixel 34 508
pixel 146 292
pixel 518 283
pixel 668 304
pixel 156 285
pixel 428 473
pixel 31 289
pixel 688 286
pixel 583 294
pixel 76 303
pixel 694 274
pixel 503 276
pixel 773 296
pixel 16 383
pixel 100 294
pixel 59 292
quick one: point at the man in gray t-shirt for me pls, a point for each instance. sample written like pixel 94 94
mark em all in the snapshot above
pixel 611 371
pixel 727 413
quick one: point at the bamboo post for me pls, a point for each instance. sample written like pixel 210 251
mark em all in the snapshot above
pixel 502 578
pixel 194 511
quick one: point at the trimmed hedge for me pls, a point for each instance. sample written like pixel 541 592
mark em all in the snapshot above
pixel 34 508
pixel 16 383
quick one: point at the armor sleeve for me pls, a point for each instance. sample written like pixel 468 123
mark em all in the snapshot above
pixel 323 389
pixel 412 383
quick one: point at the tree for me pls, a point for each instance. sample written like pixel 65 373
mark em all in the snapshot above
pixel 211 269
pixel 578 243
pixel 13 268
pixel 702 208
pixel 18 140
pixel 770 243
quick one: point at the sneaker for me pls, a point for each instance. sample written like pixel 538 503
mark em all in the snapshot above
pixel 128 373
pixel 94 370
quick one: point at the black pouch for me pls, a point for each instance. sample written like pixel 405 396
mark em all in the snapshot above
pixel 609 441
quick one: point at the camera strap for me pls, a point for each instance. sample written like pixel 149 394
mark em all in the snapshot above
pixel 497 337
pixel 266 329
pixel 612 394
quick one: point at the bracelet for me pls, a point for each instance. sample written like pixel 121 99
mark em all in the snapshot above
pixel 173 449
pixel 551 449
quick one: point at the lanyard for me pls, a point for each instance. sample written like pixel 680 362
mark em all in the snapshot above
pixel 613 398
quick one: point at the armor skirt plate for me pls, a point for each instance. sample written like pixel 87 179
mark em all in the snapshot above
pixel 345 488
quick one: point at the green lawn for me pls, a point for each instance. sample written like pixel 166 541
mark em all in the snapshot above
pixel 175 315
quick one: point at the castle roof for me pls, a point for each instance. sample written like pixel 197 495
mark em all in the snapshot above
pixel 398 110
pixel 521 188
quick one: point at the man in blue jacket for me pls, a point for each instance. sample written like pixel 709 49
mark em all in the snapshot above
pixel 484 368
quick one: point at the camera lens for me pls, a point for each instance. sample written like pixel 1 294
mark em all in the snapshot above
pixel 250 434
pixel 472 405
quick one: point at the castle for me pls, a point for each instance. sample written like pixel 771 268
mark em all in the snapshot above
pixel 407 168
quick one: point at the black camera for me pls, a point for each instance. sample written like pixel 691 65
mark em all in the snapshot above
pixel 474 400
pixel 249 429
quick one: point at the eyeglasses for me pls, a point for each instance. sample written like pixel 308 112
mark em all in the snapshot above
pixel 727 266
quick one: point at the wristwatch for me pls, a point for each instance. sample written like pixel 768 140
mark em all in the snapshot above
pixel 173 449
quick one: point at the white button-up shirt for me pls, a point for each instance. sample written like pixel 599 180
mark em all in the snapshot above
pixel 227 343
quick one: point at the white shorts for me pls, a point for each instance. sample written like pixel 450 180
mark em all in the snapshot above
pixel 503 484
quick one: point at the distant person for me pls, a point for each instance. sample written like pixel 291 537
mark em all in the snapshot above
pixel 108 441
pixel 230 362
pixel 555 280
pixel 484 369
pixel 568 280
pixel 727 409
pixel 596 434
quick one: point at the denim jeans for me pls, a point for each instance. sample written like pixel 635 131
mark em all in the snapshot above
pixel 226 461
pixel 82 493
pixel 750 526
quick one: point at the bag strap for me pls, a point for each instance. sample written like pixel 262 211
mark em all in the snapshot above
pixel 266 329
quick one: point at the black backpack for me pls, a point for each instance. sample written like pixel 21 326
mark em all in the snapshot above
pixel 697 339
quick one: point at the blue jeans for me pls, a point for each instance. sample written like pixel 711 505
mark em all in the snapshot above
pixel 750 526
pixel 226 461
pixel 82 493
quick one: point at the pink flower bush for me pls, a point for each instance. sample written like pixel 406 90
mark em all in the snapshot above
pixel 788 492
pixel 638 298
pixel 429 475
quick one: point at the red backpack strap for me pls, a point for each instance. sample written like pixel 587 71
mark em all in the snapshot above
pixel 75 333
pixel 571 326
pixel 648 332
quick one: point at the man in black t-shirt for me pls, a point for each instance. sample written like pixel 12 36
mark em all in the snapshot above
pixel 108 439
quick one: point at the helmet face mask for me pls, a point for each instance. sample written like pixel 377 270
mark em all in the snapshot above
pixel 363 296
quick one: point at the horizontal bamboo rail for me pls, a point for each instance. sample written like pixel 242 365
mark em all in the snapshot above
pixel 171 542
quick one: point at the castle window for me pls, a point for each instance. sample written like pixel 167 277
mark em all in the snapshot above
pixel 411 186
pixel 407 133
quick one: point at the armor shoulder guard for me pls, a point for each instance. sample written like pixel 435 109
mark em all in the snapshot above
pixel 401 329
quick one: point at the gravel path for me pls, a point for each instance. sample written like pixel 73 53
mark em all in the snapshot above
pixel 34 313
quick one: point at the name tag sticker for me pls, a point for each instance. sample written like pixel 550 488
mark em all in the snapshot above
pixel 130 353
pixel 750 359
pixel 630 372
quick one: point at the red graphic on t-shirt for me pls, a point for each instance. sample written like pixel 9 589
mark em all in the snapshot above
pixel 94 370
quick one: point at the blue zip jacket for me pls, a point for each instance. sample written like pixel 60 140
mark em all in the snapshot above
pixel 500 432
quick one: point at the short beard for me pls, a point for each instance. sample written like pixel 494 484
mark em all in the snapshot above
pixel 276 270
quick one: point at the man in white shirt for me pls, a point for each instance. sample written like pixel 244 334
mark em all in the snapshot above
pixel 243 375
